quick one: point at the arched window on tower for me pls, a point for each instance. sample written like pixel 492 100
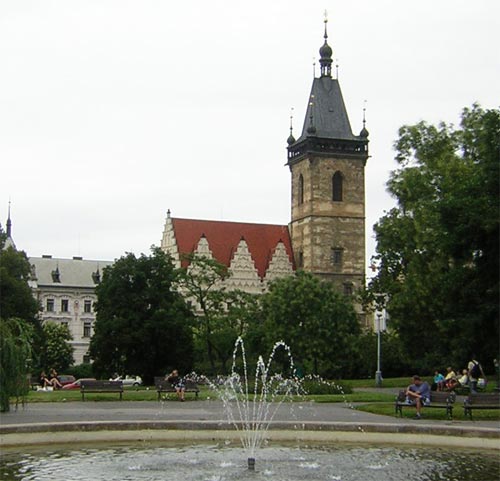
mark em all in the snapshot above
pixel 337 187
pixel 301 189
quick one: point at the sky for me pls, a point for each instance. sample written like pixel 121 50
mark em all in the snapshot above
pixel 114 111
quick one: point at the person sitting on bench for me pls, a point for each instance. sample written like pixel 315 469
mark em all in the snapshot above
pixel 419 394
pixel 178 384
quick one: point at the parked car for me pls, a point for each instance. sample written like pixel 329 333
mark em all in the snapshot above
pixel 78 383
pixel 66 379
pixel 135 381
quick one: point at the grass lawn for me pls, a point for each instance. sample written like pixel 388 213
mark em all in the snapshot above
pixel 387 409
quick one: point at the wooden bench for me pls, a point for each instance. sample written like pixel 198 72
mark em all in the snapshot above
pixel 439 399
pixel 93 386
pixel 162 385
pixel 483 400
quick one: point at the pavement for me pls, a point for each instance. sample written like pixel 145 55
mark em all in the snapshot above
pixel 208 410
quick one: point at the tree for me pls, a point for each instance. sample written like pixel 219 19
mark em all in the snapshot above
pixel 20 328
pixel 221 316
pixel 57 352
pixel 438 249
pixel 16 298
pixel 143 325
pixel 314 320
pixel 16 343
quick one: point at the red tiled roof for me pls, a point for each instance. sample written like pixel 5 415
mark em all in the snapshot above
pixel 223 239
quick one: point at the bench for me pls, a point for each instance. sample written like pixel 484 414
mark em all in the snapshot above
pixel 486 400
pixel 162 385
pixel 439 399
pixel 93 386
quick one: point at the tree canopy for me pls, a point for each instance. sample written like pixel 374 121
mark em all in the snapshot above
pixel 438 249
pixel 314 320
pixel 143 325
pixel 57 352
pixel 221 315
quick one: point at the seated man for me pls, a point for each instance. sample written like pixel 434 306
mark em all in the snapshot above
pixel 419 393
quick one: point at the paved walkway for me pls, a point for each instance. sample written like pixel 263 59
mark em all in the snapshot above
pixel 209 410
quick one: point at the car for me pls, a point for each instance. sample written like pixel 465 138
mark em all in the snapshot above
pixel 66 379
pixel 78 383
pixel 127 380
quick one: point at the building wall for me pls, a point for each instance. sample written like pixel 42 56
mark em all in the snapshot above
pixel 321 226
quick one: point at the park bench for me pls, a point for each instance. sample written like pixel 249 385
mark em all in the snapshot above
pixel 483 400
pixel 439 400
pixel 163 386
pixel 93 386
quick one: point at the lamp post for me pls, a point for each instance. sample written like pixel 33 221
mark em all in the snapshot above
pixel 378 373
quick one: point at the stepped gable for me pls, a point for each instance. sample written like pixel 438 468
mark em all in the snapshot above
pixel 223 238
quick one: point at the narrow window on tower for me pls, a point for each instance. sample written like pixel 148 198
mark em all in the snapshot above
pixel 337 187
pixel 336 256
pixel 301 189
pixel 301 260
pixel 348 289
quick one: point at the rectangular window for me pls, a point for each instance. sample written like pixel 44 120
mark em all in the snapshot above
pixel 50 305
pixel 64 305
pixel 336 256
pixel 347 289
pixel 87 306
pixel 86 359
pixel 65 324
pixel 87 329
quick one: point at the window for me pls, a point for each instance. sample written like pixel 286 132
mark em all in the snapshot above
pixel 337 188
pixel 65 324
pixel 86 359
pixel 348 289
pixel 87 329
pixel 301 260
pixel 336 256
pixel 301 189
pixel 64 305
pixel 50 305
pixel 87 306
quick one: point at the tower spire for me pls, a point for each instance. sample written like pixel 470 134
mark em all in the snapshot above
pixel 9 224
pixel 325 53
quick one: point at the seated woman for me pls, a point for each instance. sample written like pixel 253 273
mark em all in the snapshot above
pixel 463 380
pixel 44 380
pixel 450 379
pixel 178 384
pixel 439 381
pixel 54 381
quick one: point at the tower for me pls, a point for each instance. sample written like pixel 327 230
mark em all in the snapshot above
pixel 327 165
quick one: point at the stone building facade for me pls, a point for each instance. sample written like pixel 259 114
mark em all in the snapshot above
pixel 65 290
pixel 326 235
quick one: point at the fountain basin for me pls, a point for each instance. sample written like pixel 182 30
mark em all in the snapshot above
pixel 465 436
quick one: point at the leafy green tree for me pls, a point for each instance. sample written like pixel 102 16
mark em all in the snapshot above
pixel 16 298
pixel 317 322
pixel 57 352
pixel 438 249
pixel 221 316
pixel 143 325
pixel 16 342
pixel 20 329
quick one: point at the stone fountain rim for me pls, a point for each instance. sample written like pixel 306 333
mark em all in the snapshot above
pixel 464 436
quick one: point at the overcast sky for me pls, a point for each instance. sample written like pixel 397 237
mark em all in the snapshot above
pixel 113 111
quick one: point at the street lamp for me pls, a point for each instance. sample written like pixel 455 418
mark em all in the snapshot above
pixel 380 327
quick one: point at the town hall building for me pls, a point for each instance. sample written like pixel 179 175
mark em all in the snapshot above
pixel 326 234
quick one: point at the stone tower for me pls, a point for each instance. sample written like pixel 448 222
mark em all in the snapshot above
pixel 327 164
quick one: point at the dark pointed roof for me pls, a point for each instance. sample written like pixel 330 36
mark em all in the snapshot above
pixel 326 129
pixel 327 112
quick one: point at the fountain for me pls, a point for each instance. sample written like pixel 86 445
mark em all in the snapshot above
pixel 251 410
pixel 158 450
